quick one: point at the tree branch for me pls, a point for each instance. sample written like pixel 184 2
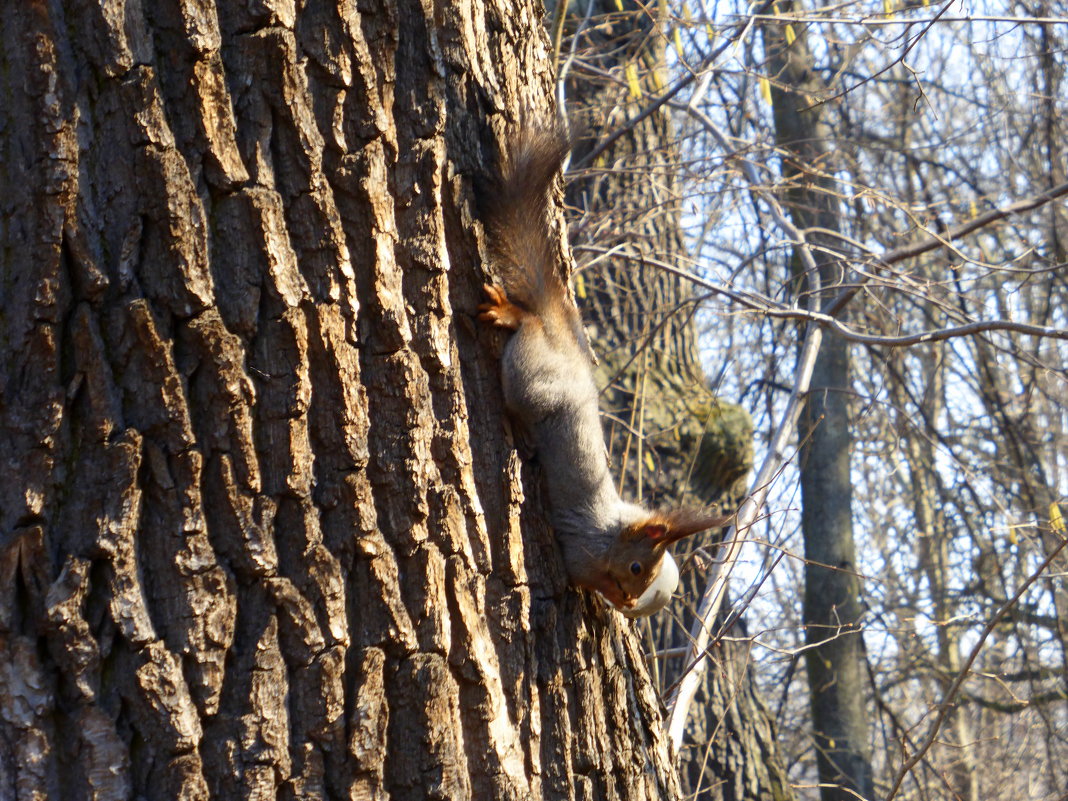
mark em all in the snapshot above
pixel 766 306
pixel 943 240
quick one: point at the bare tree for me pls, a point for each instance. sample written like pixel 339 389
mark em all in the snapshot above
pixel 832 608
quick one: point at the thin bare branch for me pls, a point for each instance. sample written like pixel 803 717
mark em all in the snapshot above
pixel 730 549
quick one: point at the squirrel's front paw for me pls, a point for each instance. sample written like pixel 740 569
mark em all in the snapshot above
pixel 500 311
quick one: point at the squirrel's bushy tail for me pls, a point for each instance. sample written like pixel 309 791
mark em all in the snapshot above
pixel 515 213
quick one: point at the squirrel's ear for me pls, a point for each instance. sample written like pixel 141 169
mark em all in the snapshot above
pixel 684 523
pixel 656 532
pixel 665 528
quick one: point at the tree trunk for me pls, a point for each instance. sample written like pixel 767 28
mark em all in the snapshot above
pixel 262 535
pixel 674 440
pixel 832 610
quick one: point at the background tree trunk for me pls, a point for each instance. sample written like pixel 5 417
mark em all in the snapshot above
pixel 261 533
pixel 832 607
pixel 674 440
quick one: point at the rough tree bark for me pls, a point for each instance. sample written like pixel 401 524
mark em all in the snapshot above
pixel 832 608
pixel 675 440
pixel 261 534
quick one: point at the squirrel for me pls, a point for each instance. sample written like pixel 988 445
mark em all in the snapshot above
pixel 609 545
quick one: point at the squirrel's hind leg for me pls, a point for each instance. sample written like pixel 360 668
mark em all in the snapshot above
pixel 500 311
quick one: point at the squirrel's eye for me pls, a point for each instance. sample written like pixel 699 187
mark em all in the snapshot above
pixel 636 568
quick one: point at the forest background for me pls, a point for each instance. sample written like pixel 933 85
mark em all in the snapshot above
pixel 887 140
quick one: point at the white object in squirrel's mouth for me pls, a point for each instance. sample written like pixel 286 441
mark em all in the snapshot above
pixel 659 592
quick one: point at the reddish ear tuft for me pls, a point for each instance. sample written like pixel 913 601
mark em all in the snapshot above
pixel 655 532
pixel 684 522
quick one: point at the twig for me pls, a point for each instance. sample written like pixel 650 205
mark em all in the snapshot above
pixel 888 67
pixel 954 688
pixel 659 101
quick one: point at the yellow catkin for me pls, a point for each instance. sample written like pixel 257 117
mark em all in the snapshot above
pixel 1056 519
pixel 765 89
pixel 631 71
